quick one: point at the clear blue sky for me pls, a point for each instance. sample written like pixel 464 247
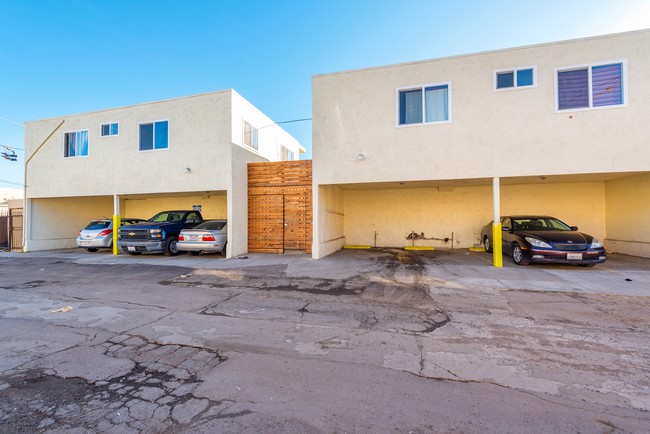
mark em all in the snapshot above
pixel 60 57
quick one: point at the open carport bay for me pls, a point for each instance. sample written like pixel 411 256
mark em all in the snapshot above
pixel 56 221
pixel 611 207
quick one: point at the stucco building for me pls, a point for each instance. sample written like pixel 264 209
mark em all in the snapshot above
pixel 175 154
pixel 425 147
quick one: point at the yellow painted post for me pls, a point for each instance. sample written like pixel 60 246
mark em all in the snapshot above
pixel 116 223
pixel 497 254
pixel 116 227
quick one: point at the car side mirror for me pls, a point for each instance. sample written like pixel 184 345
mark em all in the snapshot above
pixel 574 228
pixel 189 221
pixel 505 229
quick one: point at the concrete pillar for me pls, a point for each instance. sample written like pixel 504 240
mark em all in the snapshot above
pixel 497 254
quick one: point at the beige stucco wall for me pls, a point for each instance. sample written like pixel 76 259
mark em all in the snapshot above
pixel 628 215
pixel 213 206
pixel 199 139
pixel 329 223
pixel 394 213
pixel 511 133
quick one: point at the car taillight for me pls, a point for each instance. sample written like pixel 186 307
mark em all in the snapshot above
pixel 181 238
pixel 79 232
pixel 208 237
pixel 105 232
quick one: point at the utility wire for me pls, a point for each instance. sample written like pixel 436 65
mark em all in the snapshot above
pixel 13 183
pixel 11 122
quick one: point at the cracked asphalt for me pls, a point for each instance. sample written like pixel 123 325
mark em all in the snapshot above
pixel 374 341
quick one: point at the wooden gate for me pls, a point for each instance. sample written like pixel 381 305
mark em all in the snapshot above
pixel 279 206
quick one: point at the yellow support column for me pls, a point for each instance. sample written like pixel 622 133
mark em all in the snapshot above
pixel 116 227
pixel 497 254
pixel 116 223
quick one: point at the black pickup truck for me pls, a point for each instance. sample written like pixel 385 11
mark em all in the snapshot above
pixel 158 234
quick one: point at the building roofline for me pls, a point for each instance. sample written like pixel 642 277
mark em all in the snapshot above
pixel 480 53
pixel 135 105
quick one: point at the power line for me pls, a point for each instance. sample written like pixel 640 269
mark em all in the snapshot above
pixel 12 183
pixel 11 122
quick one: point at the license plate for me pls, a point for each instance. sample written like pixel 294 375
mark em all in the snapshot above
pixel 193 237
pixel 574 256
pixel 86 243
pixel 130 249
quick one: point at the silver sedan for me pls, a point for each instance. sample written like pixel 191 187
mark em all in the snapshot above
pixel 210 236
pixel 98 234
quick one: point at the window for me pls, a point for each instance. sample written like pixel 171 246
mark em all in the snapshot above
pixel 590 86
pixel 75 144
pixel 285 154
pixel 154 135
pixel 513 78
pixel 424 104
pixel 250 136
pixel 110 129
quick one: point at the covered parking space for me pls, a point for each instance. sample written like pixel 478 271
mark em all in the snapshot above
pixel 54 222
pixel 451 213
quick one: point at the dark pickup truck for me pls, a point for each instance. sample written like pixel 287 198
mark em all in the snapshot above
pixel 158 234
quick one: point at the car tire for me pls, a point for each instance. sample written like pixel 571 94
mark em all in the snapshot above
pixel 223 251
pixel 487 244
pixel 134 253
pixel 171 249
pixel 194 253
pixel 518 255
pixel 92 249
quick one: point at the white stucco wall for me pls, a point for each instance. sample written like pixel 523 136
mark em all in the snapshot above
pixel 505 133
pixel 271 137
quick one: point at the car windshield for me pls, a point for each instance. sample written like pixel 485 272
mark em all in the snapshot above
pixel 98 224
pixel 539 224
pixel 211 226
pixel 167 216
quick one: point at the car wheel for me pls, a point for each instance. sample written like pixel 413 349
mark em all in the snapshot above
pixel 171 249
pixel 194 253
pixel 487 244
pixel 518 255
pixel 223 251
pixel 92 249
pixel 134 253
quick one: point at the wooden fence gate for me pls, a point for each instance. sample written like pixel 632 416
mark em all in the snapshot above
pixel 279 206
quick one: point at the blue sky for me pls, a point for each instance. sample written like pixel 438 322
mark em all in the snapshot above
pixel 60 57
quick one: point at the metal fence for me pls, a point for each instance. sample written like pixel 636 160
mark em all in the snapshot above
pixel 11 229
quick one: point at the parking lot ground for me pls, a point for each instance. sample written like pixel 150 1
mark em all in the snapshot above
pixel 382 340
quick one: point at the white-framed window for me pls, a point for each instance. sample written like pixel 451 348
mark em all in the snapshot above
pixel 597 85
pixel 424 104
pixel 285 154
pixel 75 144
pixel 515 78
pixel 112 129
pixel 154 135
pixel 250 136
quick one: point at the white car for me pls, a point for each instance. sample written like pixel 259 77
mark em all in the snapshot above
pixel 210 236
pixel 98 234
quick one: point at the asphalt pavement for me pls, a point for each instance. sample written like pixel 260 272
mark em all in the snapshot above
pixel 382 340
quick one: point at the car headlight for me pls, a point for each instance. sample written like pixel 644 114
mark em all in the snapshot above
pixel 538 243
pixel 155 233
pixel 596 244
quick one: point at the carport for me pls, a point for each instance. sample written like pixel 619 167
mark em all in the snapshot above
pixel 451 213
pixel 66 215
